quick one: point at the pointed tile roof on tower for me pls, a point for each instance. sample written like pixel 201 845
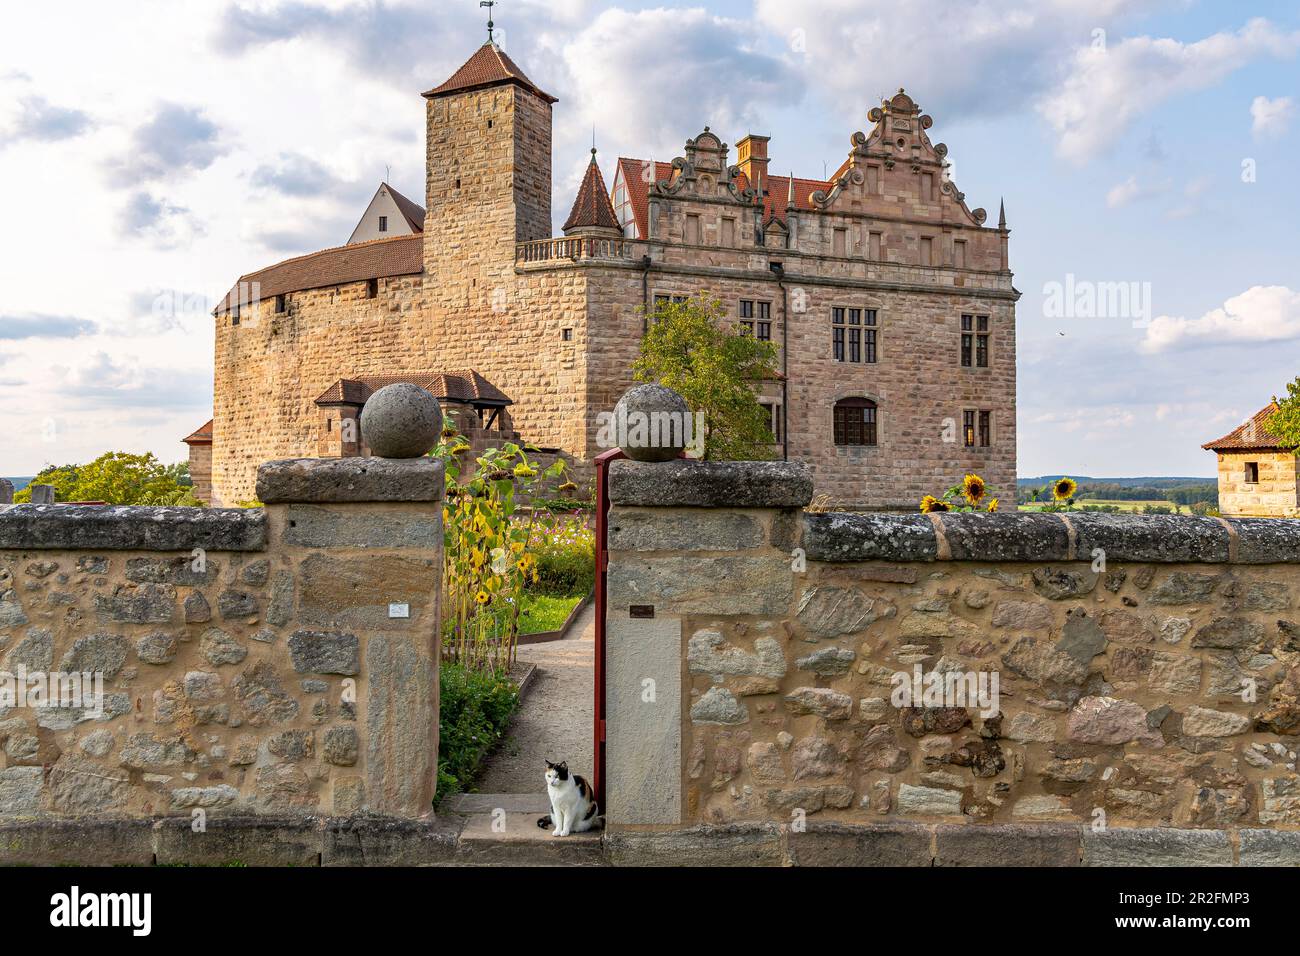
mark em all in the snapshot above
pixel 489 66
pixel 592 206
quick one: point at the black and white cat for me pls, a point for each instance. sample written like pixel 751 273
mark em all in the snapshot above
pixel 573 804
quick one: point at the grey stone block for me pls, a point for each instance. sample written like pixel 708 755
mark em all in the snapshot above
pixel 686 483
pixel 728 584
pixel 1164 539
pixel 114 841
pixel 1003 845
pixel 1006 537
pixel 737 845
pixel 384 841
pixel 323 480
pixel 1269 848
pixel 832 536
pixel 1156 846
pixel 1267 540
pixel 401 726
pixel 837 844
pixel 659 530
pixel 253 841
pixel 325 652
pixel 309 526
pixel 644 784
pixel 132 528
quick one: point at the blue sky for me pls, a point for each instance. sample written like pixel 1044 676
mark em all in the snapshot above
pixel 149 159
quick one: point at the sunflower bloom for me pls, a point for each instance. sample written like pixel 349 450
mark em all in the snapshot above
pixel 1064 489
pixel 931 504
pixel 993 505
pixel 523 471
pixel 482 597
pixel 973 489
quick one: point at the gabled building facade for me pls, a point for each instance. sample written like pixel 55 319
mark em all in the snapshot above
pixel 889 298
pixel 1259 474
pixel 388 214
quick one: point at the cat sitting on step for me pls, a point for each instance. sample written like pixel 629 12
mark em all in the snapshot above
pixel 573 804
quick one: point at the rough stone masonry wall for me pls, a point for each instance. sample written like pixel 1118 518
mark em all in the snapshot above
pixel 267 680
pixel 1121 690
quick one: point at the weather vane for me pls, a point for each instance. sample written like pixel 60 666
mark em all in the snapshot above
pixel 489 4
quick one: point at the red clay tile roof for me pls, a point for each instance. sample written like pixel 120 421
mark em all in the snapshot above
pixel 376 259
pixel 200 436
pixel 773 203
pixel 592 206
pixel 1251 435
pixel 412 212
pixel 460 386
pixel 778 194
pixel 638 189
pixel 489 66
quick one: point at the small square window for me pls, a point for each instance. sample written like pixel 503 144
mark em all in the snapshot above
pixel 566 335
pixel 1252 472
pixel 372 288
pixel 383 223
pixel 279 303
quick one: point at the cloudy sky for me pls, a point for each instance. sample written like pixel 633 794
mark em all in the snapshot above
pixel 151 152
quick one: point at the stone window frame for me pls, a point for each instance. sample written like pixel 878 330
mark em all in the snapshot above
pixel 858 394
pixel 758 321
pixel 1251 467
pixel 869 343
pixel 773 408
pixel 977 427
pixel 974 340
pixel 657 297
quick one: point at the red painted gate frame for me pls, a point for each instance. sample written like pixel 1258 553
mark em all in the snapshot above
pixel 602 564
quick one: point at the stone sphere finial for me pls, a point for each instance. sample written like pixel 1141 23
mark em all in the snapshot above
pixel 401 421
pixel 653 423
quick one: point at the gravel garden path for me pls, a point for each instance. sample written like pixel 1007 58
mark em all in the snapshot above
pixel 554 722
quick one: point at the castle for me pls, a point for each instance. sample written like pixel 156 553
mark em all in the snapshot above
pixel 889 298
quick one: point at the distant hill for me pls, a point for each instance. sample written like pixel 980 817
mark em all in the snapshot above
pixel 1150 482
pixel 21 483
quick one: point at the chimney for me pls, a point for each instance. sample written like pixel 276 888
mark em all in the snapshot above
pixel 751 157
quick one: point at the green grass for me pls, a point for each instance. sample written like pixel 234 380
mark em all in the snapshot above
pixel 542 612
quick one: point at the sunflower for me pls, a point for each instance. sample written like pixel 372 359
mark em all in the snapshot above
pixel 482 597
pixel 523 471
pixel 931 504
pixel 568 486
pixel 1063 489
pixel 993 505
pixel 973 489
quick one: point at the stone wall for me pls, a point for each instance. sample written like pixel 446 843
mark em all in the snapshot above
pixel 250 662
pixel 1275 494
pixel 1148 667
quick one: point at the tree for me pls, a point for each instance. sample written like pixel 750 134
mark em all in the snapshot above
pixel 688 350
pixel 117 478
pixel 1285 422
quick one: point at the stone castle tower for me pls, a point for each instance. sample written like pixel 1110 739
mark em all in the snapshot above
pixel 888 298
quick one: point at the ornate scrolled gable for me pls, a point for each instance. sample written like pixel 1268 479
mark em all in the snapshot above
pixel 703 172
pixel 898 136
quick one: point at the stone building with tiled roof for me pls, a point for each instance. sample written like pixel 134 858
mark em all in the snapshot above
pixel 889 298
pixel 1258 473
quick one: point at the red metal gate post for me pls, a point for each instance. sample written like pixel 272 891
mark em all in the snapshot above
pixel 602 564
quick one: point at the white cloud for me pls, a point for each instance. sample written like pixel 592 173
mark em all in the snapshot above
pixel 1271 117
pixel 1105 90
pixel 1124 193
pixel 655 77
pixel 1260 314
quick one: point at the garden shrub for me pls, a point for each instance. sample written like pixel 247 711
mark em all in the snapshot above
pixel 475 707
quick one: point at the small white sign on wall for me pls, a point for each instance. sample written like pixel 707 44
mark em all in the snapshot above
pixel 399 610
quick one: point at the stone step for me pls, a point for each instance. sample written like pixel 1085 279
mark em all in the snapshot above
pixel 516 839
